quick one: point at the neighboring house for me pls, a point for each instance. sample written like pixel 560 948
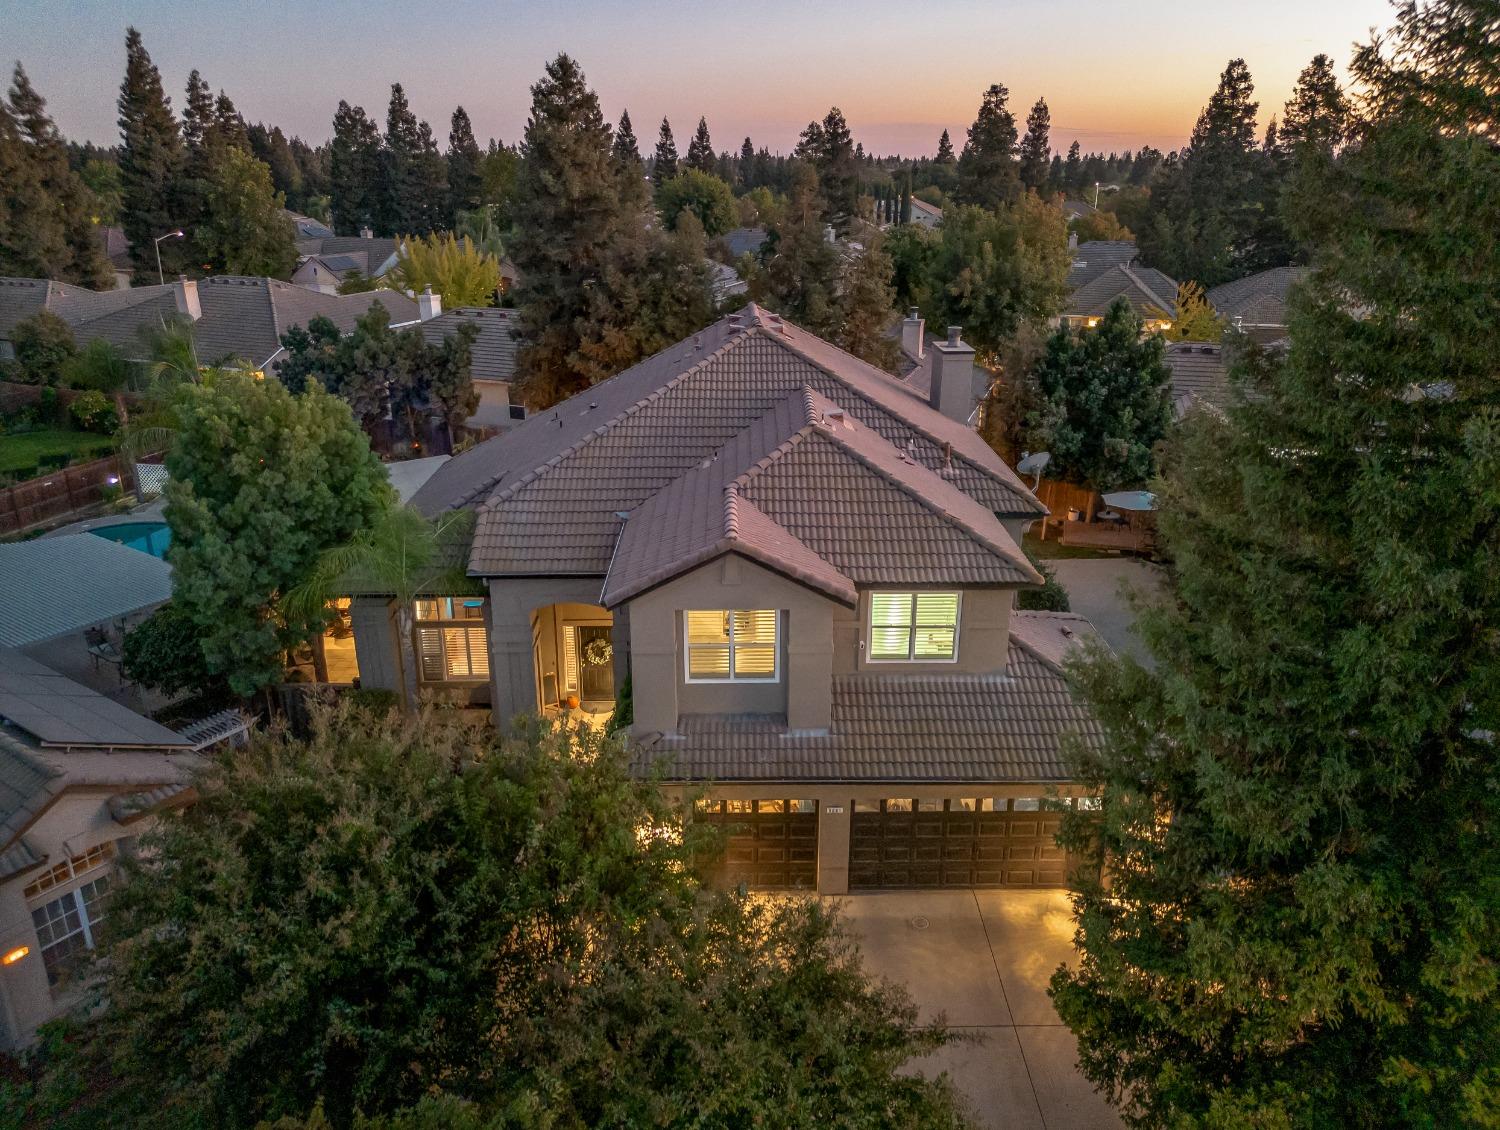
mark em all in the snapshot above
pixel 324 262
pixel 1256 304
pixel 494 365
pixel 1093 258
pixel 742 241
pixel 1104 270
pixel 725 282
pixel 81 777
pixel 925 215
pixel 1200 378
pixel 306 227
pixel 233 316
pixel 1074 209
pixel 117 251
pixel 806 570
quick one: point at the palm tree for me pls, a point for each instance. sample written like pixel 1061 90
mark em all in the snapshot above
pixel 401 555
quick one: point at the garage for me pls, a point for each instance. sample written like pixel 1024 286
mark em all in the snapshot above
pixel 771 842
pixel 967 842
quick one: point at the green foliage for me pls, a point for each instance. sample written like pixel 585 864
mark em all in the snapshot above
pixel 94 413
pixel 354 170
pixel 1302 926
pixel 867 299
pixel 624 713
pixel 987 171
pixel 164 652
pixel 244 230
pixel 47 213
pixel 702 194
pixel 626 149
pixel 152 162
pixel 1099 225
pixel 465 184
pixel 412 197
pixel 800 278
pixel 44 348
pixel 1193 316
pixel 261 482
pixel 829 147
pixel 664 159
pixel 700 154
pixel 98 365
pixel 1051 597
pixel 452 267
pixel 402 911
pixel 1103 401
pixel 1035 152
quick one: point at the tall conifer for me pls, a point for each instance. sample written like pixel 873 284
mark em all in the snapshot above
pixel 1036 147
pixel 152 158
pixel 987 167
pixel 700 154
pixel 665 166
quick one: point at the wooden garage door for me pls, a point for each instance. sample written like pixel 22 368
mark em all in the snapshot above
pixel 972 842
pixel 769 843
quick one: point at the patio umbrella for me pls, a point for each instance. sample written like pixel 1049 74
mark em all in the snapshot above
pixel 1134 500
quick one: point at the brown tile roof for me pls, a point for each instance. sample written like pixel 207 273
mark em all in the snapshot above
pixel 1092 259
pixel 1050 636
pixel 959 728
pixel 550 489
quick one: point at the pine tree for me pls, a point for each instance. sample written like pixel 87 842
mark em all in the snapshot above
pixel 46 229
pixel 152 158
pixel 1302 924
pixel 945 150
pixel 747 165
pixel 1072 171
pixel 1036 150
pixel 829 146
pixel 665 166
pixel 801 276
pixel 626 149
pixel 1317 115
pixel 465 186
pixel 354 170
pixel 987 167
pixel 700 154
pixel 867 300
pixel 229 124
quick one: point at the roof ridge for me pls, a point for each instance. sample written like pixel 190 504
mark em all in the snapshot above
pixel 1131 275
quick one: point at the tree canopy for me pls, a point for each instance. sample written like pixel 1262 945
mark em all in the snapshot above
pixel 702 194
pixel 987 171
pixel 452 266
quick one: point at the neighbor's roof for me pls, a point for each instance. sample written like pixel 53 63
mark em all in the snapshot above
pixel 307 227
pixel 56 711
pixel 959 728
pixel 377 251
pixel 1150 293
pixel 494 348
pixel 408 475
pixel 1092 259
pixel 1199 376
pixel 549 491
pixel 744 241
pixel 58 585
pixel 923 206
pixel 1050 636
pixel 1256 300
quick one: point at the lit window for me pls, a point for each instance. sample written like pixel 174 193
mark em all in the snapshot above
pixel 804 805
pixel 902 804
pixel 71 868
pixel 452 645
pixel 770 806
pixel 65 927
pixel 910 627
pixel 724 646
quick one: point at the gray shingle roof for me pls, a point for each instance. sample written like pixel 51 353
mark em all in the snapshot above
pixel 494 348
pixel 1092 259
pixel 744 241
pixel 551 488
pixel 56 711
pixel 1199 375
pixel 64 584
pixel 1150 293
pixel 959 728
pixel 28 784
pixel 1256 300
pixel 376 251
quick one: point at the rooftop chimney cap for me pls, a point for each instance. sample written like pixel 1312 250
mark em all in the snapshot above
pixel 954 333
pixel 913 313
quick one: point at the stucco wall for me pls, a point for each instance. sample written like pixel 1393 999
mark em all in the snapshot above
pixel 514 678
pixel 983 637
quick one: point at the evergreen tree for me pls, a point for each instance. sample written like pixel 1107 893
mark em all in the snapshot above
pixel 1302 923
pixel 243 230
pixel 626 149
pixel 270 145
pixel 1072 171
pixel 801 276
pixel 197 115
pixel 700 154
pixel 354 170
pixel 829 146
pixel 46 229
pixel 945 150
pixel 465 186
pixel 229 124
pixel 747 165
pixel 414 181
pixel 987 173
pixel 867 301
pixel 665 166
pixel 1036 150
pixel 1317 115
pixel 152 159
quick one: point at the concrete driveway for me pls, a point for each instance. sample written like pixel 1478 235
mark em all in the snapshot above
pixel 1097 589
pixel 982 959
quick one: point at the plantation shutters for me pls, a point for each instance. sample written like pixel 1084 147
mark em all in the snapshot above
pixel 908 627
pixel 732 645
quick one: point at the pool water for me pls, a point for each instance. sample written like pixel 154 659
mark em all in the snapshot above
pixel 148 537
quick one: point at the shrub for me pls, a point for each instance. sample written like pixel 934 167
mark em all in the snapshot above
pixel 44 345
pixel 94 413
pixel 164 652
pixel 1051 597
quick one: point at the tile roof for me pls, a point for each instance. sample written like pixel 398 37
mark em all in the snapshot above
pixel 21 856
pixel 744 241
pixel 1256 300
pixel 1092 259
pixel 495 347
pixel 1149 292
pixel 549 490
pixel 57 585
pixel 377 251
pixel 1200 377
pixel 1050 636
pixel 56 711
pixel 27 786
pixel 959 728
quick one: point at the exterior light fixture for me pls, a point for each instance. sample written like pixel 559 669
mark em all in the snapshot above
pixel 113 480
pixel 15 955
pixel 170 235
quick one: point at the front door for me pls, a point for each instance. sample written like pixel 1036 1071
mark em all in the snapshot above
pixel 596 664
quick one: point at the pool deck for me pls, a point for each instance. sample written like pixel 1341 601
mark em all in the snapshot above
pixel 150 512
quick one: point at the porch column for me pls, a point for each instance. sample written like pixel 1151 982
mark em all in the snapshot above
pixel 833 845
pixel 373 619
pixel 512 671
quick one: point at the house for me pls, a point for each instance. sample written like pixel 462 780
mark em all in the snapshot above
pixel 925 215
pixel 1200 377
pixel 233 316
pixel 117 250
pixel 81 777
pixel 1106 269
pixel 1256 304
pixel 494 365
pixel 724 282
pixel 325 261
pixel 1075 209
pixel 305 227
pixel 807 571
pixel 742 241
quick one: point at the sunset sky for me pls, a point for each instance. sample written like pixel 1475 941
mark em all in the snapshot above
pixel 1117 74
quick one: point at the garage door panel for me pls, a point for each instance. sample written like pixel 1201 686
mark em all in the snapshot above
pixel 988 846
pixel 774 846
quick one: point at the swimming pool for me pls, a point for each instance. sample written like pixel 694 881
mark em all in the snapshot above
pixel 148 537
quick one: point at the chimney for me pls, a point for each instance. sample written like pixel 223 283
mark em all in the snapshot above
pixel 366 233
pixel 1072 241
pixel 429 305
pixel 953 377
pixel 186 294
pixel 912 335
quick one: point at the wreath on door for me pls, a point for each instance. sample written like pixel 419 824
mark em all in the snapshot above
pixel 598 652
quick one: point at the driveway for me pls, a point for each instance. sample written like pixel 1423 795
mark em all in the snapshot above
pixel 982 959
pixel 1097 589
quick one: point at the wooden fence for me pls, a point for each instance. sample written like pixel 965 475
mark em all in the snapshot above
pixel 63 494
pixel 15 396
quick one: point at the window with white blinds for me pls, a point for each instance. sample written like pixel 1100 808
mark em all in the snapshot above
pixel 452 645
pixel 913 627
pixel 731 645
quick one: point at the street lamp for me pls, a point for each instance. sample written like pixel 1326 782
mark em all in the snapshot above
pixel 170 235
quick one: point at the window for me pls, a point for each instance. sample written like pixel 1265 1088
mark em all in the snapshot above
pixel 71 868
pixel 452 645
pixel 731 646
pixel 1026 804
pixel 65 926
pixel 903 804
pixel 907 627
pixel 770 806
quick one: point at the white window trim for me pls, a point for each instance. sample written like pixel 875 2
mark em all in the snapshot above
pixel 687 655
pixel 912 657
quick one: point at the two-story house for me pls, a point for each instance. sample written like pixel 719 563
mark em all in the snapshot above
pixel 806 569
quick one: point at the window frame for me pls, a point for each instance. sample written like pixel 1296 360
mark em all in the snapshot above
pixel 84 902
pixel 911 643
pixel 443 624
pixel 688 645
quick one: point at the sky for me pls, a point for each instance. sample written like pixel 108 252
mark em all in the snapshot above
pixel 1117 74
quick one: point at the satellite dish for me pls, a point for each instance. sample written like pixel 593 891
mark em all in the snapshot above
pixel 1033 464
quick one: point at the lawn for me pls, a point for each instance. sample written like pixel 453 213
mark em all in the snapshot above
pixel 21 452
pixel 1053 550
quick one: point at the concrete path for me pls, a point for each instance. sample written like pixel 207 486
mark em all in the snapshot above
pixel 1097 589
pixel 983 959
